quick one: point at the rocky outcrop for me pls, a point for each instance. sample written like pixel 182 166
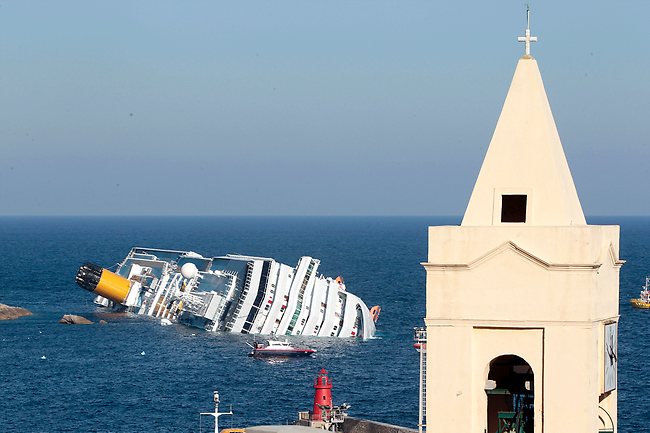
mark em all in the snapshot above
pixel 71 319
pixel 7 312
pixel 357 425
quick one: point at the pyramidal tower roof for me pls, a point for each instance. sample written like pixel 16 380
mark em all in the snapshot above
pixel 525 177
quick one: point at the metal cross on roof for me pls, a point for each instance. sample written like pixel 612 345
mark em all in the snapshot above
pixel 528 38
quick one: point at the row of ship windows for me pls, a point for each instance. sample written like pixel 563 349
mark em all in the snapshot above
pixel 277 321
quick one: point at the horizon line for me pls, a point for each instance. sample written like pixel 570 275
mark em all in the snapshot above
pixel 275 216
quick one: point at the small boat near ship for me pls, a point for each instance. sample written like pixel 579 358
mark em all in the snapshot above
pixel 643 301
pixel 232 293
pixel 277 348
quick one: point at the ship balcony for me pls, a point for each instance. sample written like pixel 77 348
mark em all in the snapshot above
pixel 420 335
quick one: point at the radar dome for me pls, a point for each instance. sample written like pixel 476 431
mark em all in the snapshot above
pixel 189 271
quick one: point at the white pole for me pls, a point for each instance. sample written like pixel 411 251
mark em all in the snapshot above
pixel 216 414
pixel 421 390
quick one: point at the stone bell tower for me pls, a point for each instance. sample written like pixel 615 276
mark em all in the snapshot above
pixel 522 297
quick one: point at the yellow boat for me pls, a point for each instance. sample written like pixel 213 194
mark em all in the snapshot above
pixel 640 303
pixel 643 301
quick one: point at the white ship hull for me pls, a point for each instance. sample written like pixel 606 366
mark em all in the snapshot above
pixel 233 293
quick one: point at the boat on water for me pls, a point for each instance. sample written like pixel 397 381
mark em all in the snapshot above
pixel 277 348
pixel 643 301
pixel 232 293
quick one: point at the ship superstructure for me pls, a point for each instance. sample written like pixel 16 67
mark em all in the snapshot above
pixel 232 293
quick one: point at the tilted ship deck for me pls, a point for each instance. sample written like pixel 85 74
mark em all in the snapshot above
pixel 232 293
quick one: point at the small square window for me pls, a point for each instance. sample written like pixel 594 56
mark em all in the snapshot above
pixel 513 208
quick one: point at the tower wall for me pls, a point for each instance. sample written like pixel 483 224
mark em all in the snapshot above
pixel 540 293
pixel 523 273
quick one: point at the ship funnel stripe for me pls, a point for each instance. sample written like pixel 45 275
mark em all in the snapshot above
pixel 103 282
pixel 88 276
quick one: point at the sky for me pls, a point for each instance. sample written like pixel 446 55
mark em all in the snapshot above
pixel 333 107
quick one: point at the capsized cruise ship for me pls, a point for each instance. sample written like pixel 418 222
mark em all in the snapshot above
pixel 232 293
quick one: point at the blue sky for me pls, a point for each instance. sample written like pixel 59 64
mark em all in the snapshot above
pixel 306 107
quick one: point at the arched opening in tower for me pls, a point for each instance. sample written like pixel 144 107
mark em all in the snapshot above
pixel 510 395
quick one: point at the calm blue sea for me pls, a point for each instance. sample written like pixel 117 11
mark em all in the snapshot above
pixel 94 378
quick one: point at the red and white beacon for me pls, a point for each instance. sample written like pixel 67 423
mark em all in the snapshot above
pixel 324 415
pixel 322 397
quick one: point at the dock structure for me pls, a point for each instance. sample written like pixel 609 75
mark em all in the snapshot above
pixel 420 338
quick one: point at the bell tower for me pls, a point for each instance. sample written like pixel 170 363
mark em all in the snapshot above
pixel 522 297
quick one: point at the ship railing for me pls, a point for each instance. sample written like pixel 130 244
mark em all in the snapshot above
pixel 166 294
pixel 242 295
pixel 193 303
pixel 233 282
pixel 300 298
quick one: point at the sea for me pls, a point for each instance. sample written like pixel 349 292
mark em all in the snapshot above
pixel 133 375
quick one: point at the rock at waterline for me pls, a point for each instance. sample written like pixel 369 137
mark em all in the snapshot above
pixel 7 312
pixel 71 319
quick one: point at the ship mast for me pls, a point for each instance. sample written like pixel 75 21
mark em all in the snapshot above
pixel 216 414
